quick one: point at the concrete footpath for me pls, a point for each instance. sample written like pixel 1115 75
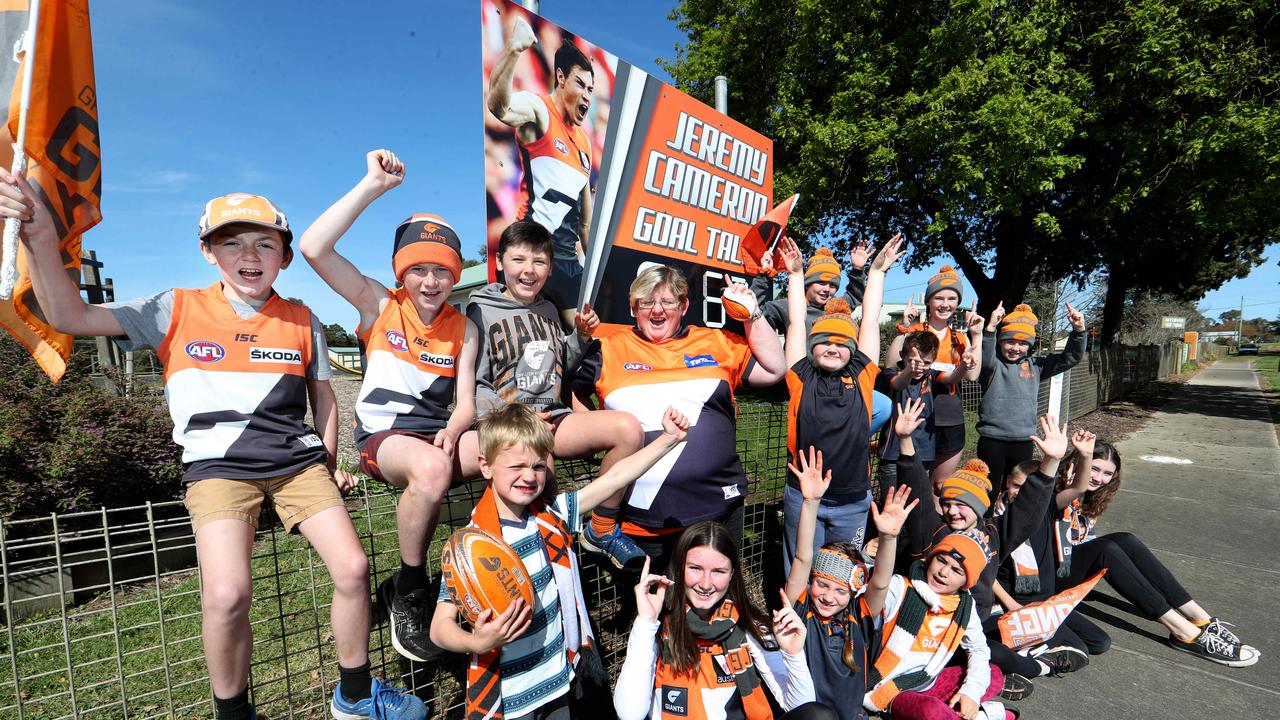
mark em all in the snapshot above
pixel 1215 522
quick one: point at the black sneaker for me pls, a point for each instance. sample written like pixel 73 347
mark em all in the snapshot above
pixel 1063 659
pixel 1222 630
pixel 1213 648
pixel 1016 687
pixel 409 621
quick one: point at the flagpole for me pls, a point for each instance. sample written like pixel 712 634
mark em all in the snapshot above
pixel 9 271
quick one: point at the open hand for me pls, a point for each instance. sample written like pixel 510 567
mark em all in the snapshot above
pixel 1054 442
pixel 889 520
pixel 889 254
pixel 909 417
pixel 1082 441
pixel 792 258
pixel 384 169
pixel 813 483
pixel 997 316
pixel 586 320
pixel 675 424
pixel 788 628
pixel 651 591
pixel 493 632
pixel 861 252
pixel 1075 317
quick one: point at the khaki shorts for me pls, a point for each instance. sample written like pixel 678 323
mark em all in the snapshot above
pixel 295 497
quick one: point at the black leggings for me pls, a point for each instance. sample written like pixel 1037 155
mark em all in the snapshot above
pixel 1132 571
pixel 1002 456
pixel 811 711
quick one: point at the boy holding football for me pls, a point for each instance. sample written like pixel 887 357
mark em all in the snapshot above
pixel 524 659
pixel 240 363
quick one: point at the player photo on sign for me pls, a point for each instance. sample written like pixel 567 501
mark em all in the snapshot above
pixel 624 170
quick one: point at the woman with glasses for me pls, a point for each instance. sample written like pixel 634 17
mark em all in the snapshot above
pixel 660 362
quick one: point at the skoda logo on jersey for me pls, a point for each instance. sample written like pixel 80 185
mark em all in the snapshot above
pixel 636 367
pixel 696 361
pixel 205 351
pixel 441 361
pixel 286 356
pixel 560 146
pixel 396 338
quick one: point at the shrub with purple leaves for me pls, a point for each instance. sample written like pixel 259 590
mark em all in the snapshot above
pixel 73 446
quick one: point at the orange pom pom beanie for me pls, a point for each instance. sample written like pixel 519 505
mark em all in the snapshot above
pixel 835 326
pixel 946 279
pixel 971 486
pixel 822 267
pixel 1019 325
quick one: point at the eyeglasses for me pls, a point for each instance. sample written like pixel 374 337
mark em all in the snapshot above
pixel 666 304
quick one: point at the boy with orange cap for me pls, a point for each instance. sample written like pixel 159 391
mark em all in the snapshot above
pixel 240 364
pixel 832 369
pixel 420 358
pixel 1010 381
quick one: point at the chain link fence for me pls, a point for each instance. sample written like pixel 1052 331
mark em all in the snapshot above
pixel 101 610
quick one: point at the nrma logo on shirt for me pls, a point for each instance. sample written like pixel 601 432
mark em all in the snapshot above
pixel 696 361
pixel 397 341
pixel 675 700
pixel 275 355
pixel 205 351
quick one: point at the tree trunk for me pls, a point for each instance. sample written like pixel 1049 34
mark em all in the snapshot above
pixel 1113 308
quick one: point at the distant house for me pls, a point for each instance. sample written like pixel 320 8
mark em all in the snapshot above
pixel 473 278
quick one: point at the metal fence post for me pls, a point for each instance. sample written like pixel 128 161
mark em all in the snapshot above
pixel 9 622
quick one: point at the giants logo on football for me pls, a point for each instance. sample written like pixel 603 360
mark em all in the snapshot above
pixel 205 351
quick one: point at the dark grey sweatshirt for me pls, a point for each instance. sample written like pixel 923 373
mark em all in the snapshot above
pixel 775 311
pixel 1011 391
pixel 524 352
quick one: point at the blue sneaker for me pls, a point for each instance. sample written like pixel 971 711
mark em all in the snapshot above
pixel 621 550
pixel 385 702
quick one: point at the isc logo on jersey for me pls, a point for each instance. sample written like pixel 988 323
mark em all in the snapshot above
pixel 441 361
pixel 275 355
pixel 397 341
pixel 205 351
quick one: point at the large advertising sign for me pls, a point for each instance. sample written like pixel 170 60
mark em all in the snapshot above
pixel 624 170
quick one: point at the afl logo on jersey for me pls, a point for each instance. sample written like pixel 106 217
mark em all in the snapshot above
pixel 205 351
pixel 397 341
pixel 275 355
pixel 561 147
pixel 636 367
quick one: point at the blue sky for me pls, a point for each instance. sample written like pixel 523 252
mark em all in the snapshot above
pixel 284 98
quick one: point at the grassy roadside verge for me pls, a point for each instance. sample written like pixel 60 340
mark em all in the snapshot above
pixel 1267 365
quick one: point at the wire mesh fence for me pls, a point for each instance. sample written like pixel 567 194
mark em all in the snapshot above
pixel 101 610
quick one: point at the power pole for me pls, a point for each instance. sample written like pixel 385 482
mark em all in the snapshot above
pixel 722 94
pixel 1240 323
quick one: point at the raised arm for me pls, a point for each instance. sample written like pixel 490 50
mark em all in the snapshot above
pixel 869 332
pixel 797 340
pixel 974 323
pixel 1082 442
pixel 1073 353
pixel 771 363
pixel 383 172
pixel 813 485
pixel 855 282
pixel 675 426
pixel 58 293
pixel 520 110
pixel 889 524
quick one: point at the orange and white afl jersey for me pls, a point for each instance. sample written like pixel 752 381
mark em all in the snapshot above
pixel 556 168
pixel 697 372
pixel 712 691
pixel 237 387
pixel 409 369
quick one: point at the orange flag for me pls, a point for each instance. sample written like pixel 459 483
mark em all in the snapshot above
pixel 1037 622
pixel 762 239
pixel 62 141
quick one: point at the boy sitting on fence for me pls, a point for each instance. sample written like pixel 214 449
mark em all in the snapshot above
pixel 418 351
pixel 240 363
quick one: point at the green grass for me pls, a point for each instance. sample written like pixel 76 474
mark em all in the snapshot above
pixel 1267 364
